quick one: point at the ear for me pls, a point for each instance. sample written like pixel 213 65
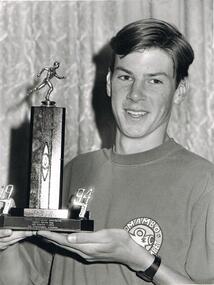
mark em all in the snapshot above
pixel 108 83
pixel 181 91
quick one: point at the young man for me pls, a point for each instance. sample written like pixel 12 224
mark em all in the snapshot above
pixel 153 200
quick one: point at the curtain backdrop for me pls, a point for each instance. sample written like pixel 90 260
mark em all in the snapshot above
pixel 34 34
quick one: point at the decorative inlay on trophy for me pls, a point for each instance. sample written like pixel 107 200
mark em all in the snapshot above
pixel 46 174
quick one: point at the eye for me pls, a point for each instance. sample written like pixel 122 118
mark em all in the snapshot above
pixel 125 77
pixel 155 81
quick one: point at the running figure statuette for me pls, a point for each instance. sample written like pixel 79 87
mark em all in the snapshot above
pixel 51 72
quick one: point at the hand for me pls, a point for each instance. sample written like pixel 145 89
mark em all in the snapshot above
pixel 9 237
pixel 109 245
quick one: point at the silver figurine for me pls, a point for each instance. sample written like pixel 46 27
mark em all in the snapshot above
pixel 51 72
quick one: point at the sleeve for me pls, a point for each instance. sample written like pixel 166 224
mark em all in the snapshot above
pixel 200 258
pixel 37 258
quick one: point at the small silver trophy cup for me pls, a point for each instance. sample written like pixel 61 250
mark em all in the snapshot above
pixel 46 173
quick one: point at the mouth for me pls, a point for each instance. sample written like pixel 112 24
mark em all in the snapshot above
pixel 136 114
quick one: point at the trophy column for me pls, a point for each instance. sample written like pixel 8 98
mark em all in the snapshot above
pixel 46 167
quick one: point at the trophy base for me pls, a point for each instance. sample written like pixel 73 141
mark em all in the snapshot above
pixel 46 219
pixel 46 224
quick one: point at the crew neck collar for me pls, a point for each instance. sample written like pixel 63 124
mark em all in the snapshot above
pixel 147 156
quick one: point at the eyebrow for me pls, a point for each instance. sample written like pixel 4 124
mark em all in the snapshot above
pixel 124 69
pixel 159 73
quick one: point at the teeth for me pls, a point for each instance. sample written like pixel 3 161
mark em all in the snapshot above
pixel 136 114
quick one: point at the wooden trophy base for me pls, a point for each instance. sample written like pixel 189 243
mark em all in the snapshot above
pixel 37 221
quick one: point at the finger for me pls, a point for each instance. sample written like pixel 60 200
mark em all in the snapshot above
pixel 73 250
pixel 85 237
pixel 95 250
pixel 6 245
pixel 22 234
pixel 16 235
pixel 62 246
pixel 80 252
pixel 5 233
pixel 60 238
pixel 101 236
pixel 56 238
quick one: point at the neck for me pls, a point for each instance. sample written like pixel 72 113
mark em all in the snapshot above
pixel 127 145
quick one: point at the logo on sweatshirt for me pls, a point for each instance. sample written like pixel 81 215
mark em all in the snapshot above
pixel 145 232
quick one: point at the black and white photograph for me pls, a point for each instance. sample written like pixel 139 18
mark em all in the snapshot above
pixel 106 142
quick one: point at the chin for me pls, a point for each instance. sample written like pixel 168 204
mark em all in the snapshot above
pixel 134 135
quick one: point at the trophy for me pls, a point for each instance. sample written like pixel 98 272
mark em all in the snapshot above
pixel 46 174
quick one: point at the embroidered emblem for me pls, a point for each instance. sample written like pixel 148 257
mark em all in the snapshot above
pixel 145 232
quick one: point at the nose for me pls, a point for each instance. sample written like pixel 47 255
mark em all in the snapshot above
pixel 136 92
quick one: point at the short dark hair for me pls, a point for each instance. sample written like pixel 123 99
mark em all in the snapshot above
pixel 153 33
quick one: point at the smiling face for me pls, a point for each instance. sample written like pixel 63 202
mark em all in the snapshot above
pixel 142 88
